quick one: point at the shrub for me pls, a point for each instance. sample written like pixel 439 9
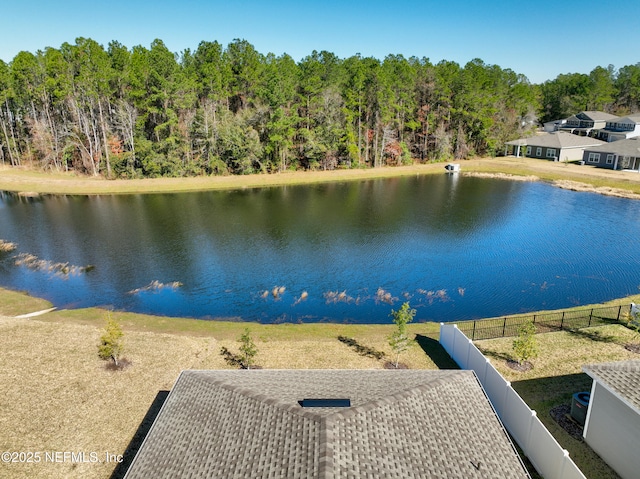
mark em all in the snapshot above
pixel 525 346
pixel 248 349
pixel 111 342
pixel 399 340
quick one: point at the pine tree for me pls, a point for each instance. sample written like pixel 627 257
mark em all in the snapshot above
pixel 248 349
pixel 525 346
pixel 111 344
pixel 399 340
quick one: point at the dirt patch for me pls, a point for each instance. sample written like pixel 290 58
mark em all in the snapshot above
pixel 392 365
pixel 562 415
pixel 633 347
pixel 521 367
pixel 121 366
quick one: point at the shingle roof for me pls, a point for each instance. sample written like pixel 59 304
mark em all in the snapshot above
pixel 622 378
pixel 404 423
pixel 599 115
pixel 560 139
pixel 629 147
pixel 635 118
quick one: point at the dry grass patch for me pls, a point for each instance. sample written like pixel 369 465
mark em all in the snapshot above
pixel 502 176
pixel 26 180
pixel 58 396
pixel 327 353
pixel 605 190
pixel 62 398
pixel 557 375
pixel 598 179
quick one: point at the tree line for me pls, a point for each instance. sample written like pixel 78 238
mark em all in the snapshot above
pixel 148 112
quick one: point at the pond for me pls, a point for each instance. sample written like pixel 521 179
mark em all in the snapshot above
pixel 455 247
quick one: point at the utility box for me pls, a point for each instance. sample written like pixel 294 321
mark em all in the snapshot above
pixel 579 406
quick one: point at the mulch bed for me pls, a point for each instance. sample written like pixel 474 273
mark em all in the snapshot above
pixel 633 347
pixel 391 365
pixel 122 364
pixel 562 415
pixel 516 366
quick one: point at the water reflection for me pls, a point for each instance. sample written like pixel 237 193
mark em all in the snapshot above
pixel 456 247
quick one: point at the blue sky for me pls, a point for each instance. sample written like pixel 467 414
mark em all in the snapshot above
pixel 540 39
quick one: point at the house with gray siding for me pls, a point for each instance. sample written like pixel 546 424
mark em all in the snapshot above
pixel 556 146
pixel 612 427
pixel 620 129
pixel 327 424
pixel 586 122
pixel 617 155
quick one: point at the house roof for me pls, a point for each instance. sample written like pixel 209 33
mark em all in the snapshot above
pixel 558 139
pixel 635 118
pixel 629 147
pixel 562 121
pixel 622 378
pixel 402 423
pixel 597 115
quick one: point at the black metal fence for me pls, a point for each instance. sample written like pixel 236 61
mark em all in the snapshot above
pixel 544 322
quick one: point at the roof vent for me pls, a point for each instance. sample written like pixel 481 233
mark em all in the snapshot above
pixel 325 403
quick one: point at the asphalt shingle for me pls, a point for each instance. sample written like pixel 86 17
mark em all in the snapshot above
pixel 406 423
pixel 622 378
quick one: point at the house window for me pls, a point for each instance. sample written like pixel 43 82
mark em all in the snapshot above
pixel 609 159
pixel 551 152
pixel 528 151
pixel 594 158
pixel 539 151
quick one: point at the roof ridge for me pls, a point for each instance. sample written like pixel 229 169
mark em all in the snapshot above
pixel 320 417
pixel 631 365
pixel 391 398
pixel 265 399
pixel 326 468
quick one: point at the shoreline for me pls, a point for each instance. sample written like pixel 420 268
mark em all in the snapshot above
pixel 32 183
pixel 19 304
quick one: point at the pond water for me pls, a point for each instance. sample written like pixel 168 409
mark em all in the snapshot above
pixel 455 247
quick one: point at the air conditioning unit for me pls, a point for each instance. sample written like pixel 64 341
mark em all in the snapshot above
pixel 579 406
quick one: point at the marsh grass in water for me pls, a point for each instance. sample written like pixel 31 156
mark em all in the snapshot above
pixel 156 285
pixel 332 297
pixel 383 296
pixel 439 295
pixel 59 269
pixel 7 247
pixel 303 297
pixel 276 293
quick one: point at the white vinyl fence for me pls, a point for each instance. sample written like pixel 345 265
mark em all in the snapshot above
pixel 544 452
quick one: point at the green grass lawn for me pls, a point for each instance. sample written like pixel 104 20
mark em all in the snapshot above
pixel 557 375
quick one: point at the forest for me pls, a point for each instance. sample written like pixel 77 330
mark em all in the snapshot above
pixel 147 112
